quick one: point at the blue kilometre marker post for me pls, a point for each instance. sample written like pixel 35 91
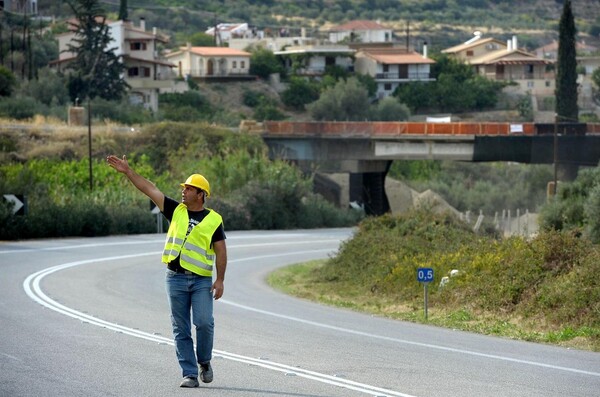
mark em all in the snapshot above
pixel 425 276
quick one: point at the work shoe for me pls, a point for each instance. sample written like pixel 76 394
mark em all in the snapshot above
pixel 206 373
pixel 189 381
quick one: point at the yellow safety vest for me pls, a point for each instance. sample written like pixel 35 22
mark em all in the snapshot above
pixel 195 251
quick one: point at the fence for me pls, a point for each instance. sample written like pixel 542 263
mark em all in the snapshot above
pixel 507 222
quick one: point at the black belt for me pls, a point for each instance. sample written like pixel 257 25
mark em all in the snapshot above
pixel 179 269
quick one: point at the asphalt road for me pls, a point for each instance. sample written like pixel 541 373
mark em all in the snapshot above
pixel 89 317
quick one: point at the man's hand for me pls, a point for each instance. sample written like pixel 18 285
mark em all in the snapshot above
pixel 143 185
pixel 118 164
pixel 217 289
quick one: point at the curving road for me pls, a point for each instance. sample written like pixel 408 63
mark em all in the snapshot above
pixel 89 317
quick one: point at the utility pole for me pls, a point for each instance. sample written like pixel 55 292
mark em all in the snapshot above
pixel 90 141
pixel 555 187
pixel 24 42
pixel 407 36
pixel 216 29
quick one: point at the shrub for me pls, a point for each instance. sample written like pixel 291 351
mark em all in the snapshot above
pixel 268 110
pixel 7 81
pixel 347 101
pixel 389 109
pixel 21 108
pixel 251 98
pixel 299 93
pixel 263 63
pixel 186 106
pixel 576 205
pixel 49 88
pixel 120 111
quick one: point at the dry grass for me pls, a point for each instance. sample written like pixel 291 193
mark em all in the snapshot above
pixel 50 138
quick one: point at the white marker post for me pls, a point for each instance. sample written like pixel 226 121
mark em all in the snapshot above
pixel 156 211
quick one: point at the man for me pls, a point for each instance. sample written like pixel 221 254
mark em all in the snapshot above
pixel 195 241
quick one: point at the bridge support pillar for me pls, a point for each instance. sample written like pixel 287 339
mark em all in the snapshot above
pixel 368 189
pixel 567 172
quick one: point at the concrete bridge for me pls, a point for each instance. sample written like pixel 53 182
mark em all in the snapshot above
pixel 365 150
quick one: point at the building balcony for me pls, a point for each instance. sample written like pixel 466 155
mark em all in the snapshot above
pixel 148 83
pixel 403 77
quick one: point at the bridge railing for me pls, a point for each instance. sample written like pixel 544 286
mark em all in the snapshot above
pixel 382 129
pixel 371 129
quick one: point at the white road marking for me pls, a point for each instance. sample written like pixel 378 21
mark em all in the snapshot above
pixel 32 288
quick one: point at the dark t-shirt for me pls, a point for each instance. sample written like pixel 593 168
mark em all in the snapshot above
pixel 195 218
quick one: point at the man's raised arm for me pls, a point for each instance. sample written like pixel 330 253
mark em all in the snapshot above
pixel 143 185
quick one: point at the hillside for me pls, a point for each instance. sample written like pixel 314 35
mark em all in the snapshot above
pixel 440 22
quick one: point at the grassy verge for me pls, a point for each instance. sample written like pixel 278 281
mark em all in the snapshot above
pixel 297 280
pixel 542 291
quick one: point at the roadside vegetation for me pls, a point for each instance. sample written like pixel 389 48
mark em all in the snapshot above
pixel 250 191
pixel 543 290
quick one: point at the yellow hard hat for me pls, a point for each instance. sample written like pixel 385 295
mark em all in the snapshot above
pixel 197 180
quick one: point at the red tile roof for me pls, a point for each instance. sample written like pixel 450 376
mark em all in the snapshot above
pixel 217 51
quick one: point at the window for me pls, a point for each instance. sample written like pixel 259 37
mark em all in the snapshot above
pixel 137 46
pixel 387 87
pixel 469 53
pixel 403 71
pixel 234 64
pixel 386 68
pixel 548 83
pixel 138 71
pixel 243 64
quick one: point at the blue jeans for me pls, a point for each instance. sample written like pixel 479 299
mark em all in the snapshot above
pixel 191 293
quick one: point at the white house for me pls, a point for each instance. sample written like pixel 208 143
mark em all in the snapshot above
pixel 145 71
pixel 313 60
pixel 392 66
pixel 19 6
pixel 224 32
pixel 360 31
pixel 206 62
pixel 496 60
pixel 588 64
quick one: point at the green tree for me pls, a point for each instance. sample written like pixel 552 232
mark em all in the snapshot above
pixel 96 70
pixel 263 63
pixel 299 93
pixel 525 107
pixel 576 206
pixel 457 88
pixel 389 109
pixel 594 29
pixel 566 68
pixel 7 81
pixel 49 88
pixel 346 101
pixel 267 110
pixel 596 82
pixel 123 13
pixel 418 95
pixel 201 39
pixel 369 82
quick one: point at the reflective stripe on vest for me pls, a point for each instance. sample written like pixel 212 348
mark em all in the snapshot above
pixel 196 252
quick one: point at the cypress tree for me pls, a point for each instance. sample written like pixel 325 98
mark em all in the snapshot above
pixel 123 15
pixel 566 68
